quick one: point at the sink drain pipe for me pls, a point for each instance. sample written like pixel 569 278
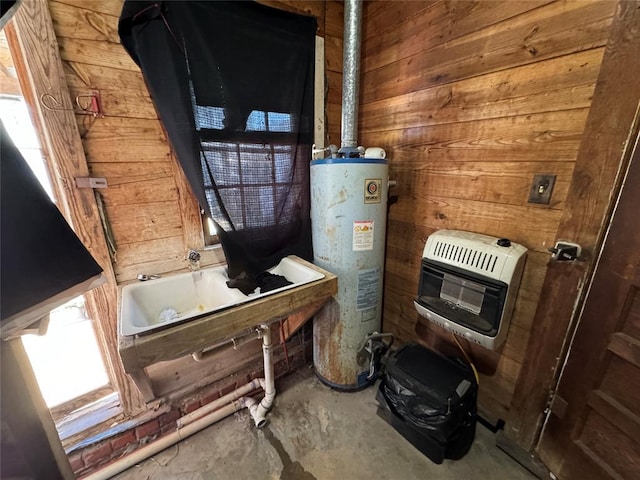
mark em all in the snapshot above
pixel 208 414
pixel 259 410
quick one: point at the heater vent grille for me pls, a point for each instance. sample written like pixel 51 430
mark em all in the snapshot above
pixel 465 256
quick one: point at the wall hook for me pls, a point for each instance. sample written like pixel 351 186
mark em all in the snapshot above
pixel 88 103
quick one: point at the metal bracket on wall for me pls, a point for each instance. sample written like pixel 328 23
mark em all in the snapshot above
pixel 91 182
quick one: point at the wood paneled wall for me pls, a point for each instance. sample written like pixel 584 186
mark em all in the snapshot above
pixel 470 99
pixel 334 31
pixel 152 213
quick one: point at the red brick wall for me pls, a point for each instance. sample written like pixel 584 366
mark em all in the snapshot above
pixel 104 452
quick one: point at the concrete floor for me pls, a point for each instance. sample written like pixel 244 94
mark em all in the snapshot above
pixel 316 433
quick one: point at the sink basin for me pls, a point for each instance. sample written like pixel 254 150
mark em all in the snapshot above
pixel 155 304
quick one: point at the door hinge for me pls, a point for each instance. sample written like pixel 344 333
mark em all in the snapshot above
pixel 556 405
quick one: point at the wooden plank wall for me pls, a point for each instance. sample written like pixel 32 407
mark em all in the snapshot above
pixel 151 212
pixel 470 99
pixel 149 206
pixel 333 70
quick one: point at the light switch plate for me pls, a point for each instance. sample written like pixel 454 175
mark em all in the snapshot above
pixel 541 188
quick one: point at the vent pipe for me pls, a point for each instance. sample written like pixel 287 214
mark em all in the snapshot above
pixel 351 74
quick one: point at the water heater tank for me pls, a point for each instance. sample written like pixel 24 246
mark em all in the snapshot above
pixel 348 217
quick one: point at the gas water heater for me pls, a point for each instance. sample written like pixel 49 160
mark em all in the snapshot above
pixel 348 218
pixel 348 224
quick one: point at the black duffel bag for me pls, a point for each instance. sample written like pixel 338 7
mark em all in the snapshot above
pixel 430 400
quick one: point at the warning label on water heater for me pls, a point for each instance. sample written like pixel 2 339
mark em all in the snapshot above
pixel 362 235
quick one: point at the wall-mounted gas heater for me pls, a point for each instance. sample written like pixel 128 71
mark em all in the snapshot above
pixel 468 284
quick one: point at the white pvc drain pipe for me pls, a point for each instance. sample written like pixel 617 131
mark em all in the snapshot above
pixel 208 414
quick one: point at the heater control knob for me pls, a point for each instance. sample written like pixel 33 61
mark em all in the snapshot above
pixel 504 242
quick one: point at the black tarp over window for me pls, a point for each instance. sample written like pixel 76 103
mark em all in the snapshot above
pixel 233 85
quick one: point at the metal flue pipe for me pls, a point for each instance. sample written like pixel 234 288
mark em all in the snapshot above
pixel 351 72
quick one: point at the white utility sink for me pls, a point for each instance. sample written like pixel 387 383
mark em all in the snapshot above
pixel 176 298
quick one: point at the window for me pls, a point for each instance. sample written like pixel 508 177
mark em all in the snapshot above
pixel 14 114
pixel 234 87
pixel 256 173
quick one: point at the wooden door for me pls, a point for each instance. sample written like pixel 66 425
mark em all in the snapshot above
pixel 593 431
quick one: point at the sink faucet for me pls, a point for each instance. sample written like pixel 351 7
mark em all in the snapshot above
pixel 143 277
pixel 193 256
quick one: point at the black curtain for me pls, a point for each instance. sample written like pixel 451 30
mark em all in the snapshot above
pixel 233 85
